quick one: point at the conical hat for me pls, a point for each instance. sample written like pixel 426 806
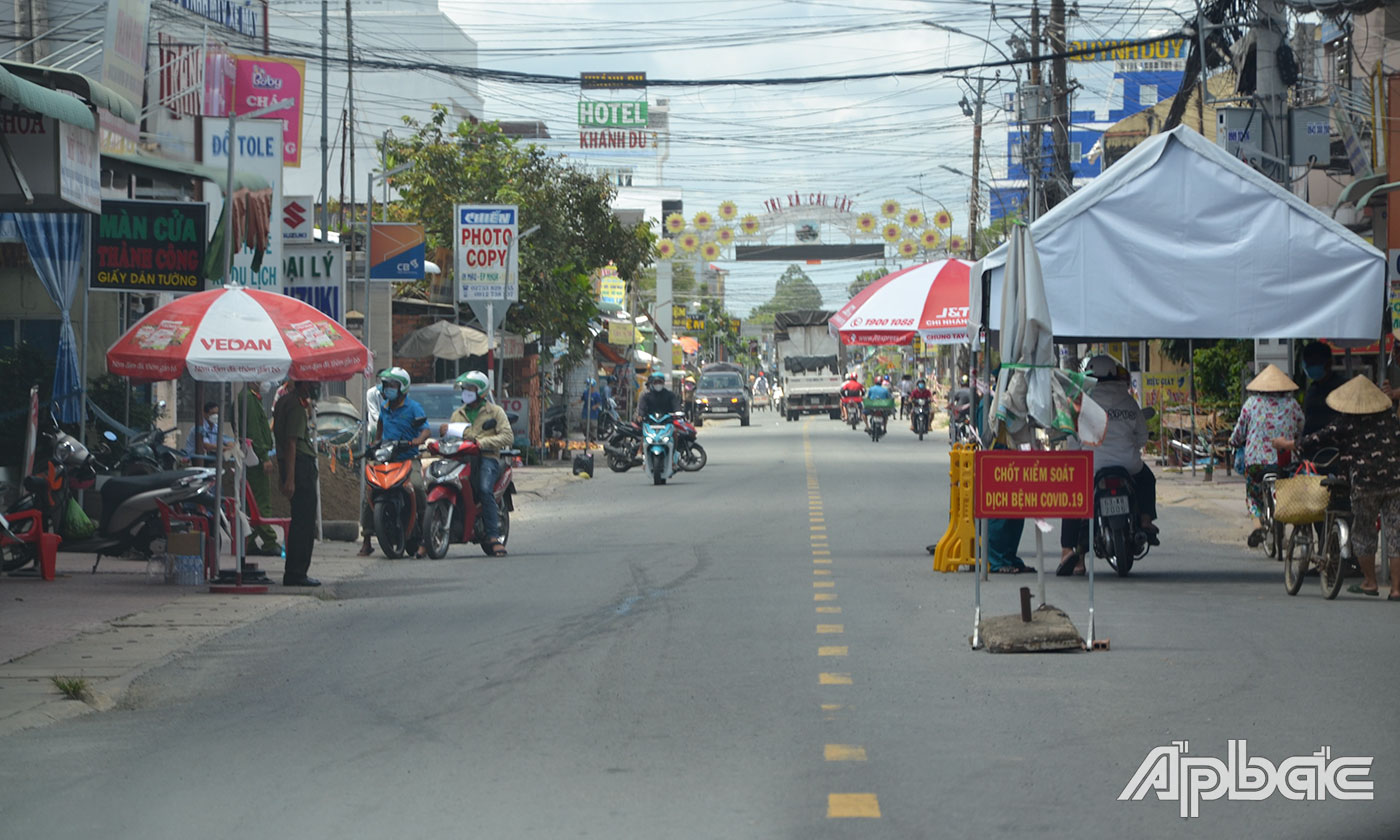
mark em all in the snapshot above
pixel 1359 396
pixel 1271 379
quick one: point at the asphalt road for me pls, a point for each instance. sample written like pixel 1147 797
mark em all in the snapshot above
pixel 682 662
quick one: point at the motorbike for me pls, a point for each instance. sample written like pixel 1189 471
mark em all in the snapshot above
pixel 397 526
pixel 556 421
pixel 1118 536
pixel 921 415
pixel 130 521
pixel 659 447
pixel 146 453
pixel 877 420
pixel 624 450
pixel 853 413
pixel 452 500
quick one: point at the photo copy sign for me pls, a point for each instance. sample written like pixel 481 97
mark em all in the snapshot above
pixel 258 151
pixel 485 253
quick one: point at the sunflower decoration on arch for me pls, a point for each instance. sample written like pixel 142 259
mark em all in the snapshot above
pixel 688 242
pixel 913 219
pixel 749 225
pixel 724 235
pixel 930 239
pixel 957 244
pixel 889 208
pixel 908 248
pixel 675 223
pixel 728 211
pixel 703 220
pixel 943 219
pixel 891 232
pixel 665 249
pixel 711 250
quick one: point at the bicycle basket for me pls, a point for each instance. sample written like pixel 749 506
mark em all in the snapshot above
pixel 1300 500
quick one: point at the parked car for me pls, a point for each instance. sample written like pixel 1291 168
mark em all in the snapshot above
pixel 439 400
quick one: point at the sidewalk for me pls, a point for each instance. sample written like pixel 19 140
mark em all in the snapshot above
pixel 111 627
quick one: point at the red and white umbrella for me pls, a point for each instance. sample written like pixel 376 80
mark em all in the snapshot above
pixel 237 335
pixel 928 300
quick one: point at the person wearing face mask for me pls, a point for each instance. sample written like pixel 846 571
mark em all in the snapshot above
pixel 296 458
pixel 488 425
pixel 400 418
pixel 658 399
pixel 258 431
pixel 203 438
pixel 1322 381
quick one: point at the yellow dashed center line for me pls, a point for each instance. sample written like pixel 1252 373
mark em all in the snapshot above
pixel 823 584
pixel 821 571
pixel 823 596
pixel 831 628
pixel 825 609
pixel 852 805
pixel 832 650
pixel 843 752
pixel 833 679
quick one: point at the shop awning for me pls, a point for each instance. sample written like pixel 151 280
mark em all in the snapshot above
pixel 217 175
pixel 46 101
pixel 95 92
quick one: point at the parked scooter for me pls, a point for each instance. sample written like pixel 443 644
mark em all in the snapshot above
pixel 146 453
pixel 452 502
pixel 130 520
pixel 396 521
pixel 556 421
pixel 624 448
pixel 921 416
pixel 659 447
pixel 1118 536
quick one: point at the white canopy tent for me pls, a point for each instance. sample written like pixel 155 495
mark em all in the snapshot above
pixel 1180 240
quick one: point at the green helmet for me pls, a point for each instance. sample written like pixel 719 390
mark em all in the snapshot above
pixel 476 379
pixel 399 375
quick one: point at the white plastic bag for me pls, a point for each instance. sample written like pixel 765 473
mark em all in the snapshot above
pixel 1093 422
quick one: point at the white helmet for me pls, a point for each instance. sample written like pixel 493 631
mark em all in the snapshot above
pixel 1101 367
pixel 399 375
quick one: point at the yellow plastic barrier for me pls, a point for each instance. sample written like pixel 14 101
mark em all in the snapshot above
pixel 958 545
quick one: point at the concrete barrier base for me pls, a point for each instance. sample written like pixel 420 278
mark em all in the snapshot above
pixel 1048 630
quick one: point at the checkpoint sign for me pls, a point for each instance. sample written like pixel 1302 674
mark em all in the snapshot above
pixel 1033 485
pixel 485 256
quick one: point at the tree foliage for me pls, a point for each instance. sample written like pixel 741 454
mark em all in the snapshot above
pixel 794 290
pixel 577 235
pixel 864 279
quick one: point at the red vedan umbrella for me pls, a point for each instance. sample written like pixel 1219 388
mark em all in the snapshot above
pixel 929 300
pixel 237 335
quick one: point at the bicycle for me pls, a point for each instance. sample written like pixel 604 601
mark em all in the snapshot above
pixel 1326 545
pixel 1270 533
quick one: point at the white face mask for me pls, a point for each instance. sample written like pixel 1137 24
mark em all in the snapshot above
pixel 468 396
pixel 213 420
pixel 656 387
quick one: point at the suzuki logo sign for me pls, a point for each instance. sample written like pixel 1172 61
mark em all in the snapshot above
pixel 296 221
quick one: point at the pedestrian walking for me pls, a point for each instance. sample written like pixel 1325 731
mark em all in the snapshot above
pixel 291 430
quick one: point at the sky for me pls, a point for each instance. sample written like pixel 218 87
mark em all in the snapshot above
pixel 870 140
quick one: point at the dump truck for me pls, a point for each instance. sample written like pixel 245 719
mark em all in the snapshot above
pixel 811 362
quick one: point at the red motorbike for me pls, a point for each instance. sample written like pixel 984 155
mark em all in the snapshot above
pixel 452 505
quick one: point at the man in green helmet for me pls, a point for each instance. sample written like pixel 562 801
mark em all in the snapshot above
pixel 488 425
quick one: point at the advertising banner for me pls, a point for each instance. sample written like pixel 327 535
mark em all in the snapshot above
pixel 620 333
pixel 397 251
pixel 1160 390
pixel 612 81
pixel 148 246
pixel 259 151
pixel 518 409
pixel 612 114
pixel 611 288
pixel 1032 485
pixel 296 219
pixel 260 81
pixel 485 257
pixel 315 274
pixel 123 69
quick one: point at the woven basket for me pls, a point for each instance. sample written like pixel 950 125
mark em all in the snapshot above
pixel 1300 500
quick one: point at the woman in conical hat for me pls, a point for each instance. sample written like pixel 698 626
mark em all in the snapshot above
pixel 1366 435
pixel 1270 412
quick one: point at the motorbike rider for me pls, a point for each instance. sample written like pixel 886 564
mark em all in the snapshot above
pixel 920 391
pixel 476 411
pixel 400 418
pixel 906 386
pixel 658 399
pixel 852 393
pixel 1121 447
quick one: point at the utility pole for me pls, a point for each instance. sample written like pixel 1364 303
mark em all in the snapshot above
pixel 976 165
pixel 325 123
pixel 1061 175
pixel 350 134
pixel 1268 31
pixel 1031 151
